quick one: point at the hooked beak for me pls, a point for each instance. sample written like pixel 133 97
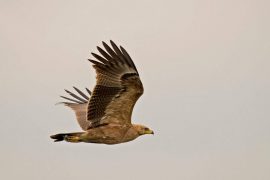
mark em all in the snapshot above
pixel 149 132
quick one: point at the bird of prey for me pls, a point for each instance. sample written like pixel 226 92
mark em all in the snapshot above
pixel 105 116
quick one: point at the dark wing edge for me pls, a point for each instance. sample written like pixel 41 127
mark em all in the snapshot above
pixel 78 103
pixel 117 82
pixel 75 98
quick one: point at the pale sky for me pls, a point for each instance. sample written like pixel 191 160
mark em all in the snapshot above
pixel 205 69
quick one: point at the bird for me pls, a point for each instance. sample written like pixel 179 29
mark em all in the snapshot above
pixel 105 114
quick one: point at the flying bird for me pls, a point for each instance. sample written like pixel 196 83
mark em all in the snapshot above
pixel 105 114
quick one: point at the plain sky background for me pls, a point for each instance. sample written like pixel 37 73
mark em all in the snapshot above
pixel 204 65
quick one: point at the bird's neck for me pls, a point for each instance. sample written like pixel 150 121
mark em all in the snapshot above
pixel 131 134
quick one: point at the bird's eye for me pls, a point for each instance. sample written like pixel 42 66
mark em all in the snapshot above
pixel 146 129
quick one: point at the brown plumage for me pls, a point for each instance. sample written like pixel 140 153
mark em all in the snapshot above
pixel 105 116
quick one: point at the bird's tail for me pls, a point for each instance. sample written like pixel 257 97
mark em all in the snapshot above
pixel 69 137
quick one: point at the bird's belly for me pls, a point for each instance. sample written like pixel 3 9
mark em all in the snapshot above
pixel 104 135
pixel 102 140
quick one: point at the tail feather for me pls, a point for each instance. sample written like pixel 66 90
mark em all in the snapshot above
pixel 69 137
pixel 58 137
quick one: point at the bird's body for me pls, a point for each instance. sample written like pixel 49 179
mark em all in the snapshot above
pixel 109 134
pixel 105 117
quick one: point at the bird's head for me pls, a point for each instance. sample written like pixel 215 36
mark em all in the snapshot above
pixel 141 129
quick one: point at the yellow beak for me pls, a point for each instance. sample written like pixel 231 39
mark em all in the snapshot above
pixel 149 132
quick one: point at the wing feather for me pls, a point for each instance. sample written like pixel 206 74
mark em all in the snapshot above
pixel 75 96
pixel 79 106
pixel 110 51
pixel 73 100
pixel 117 89
pixel 117 51
pixel 81 93
pixel 128 58
pixel 89 92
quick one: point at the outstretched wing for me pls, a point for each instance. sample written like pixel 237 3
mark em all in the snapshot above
pixel 117 89
pixel 79 105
